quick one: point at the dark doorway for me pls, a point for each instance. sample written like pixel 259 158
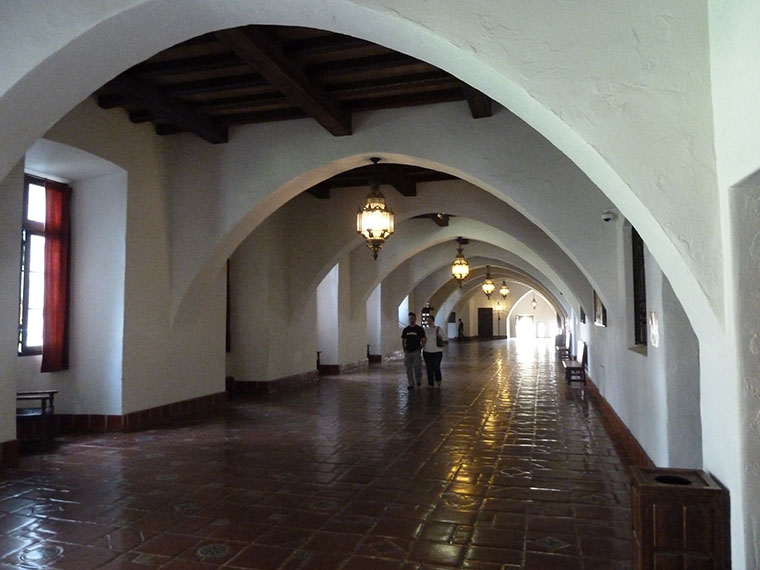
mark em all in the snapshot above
pixel 485 322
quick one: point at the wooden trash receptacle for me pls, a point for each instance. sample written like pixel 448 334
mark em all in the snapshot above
pixel 680 520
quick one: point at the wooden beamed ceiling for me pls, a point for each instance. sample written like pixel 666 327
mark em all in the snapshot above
pixel 401 177
pixel 255 74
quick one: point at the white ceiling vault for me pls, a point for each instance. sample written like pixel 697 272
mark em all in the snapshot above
pixel 469 50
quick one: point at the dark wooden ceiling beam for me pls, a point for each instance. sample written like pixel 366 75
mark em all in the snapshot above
pixel 480 104
pixel 321 191
pixel 110 100
pixel 171 110
pixel 201 64
pixel 395 176
pixel 403 178
pixel 439 219
pixel 251 82
pixel 255 46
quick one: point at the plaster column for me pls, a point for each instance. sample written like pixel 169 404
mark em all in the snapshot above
pixel 745 209
pixel 11 194
pixel 374 322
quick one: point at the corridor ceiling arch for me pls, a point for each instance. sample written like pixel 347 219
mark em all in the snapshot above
pixel 456 197
pixel 472 286
pixel 106 40
pixel 423 254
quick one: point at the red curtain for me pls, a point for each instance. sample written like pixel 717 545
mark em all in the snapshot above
pixel 55 333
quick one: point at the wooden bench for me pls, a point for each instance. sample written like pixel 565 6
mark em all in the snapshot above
pixel 36 423
pixel 563 349
pixel 575 370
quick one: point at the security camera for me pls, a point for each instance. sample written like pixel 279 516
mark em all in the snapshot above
pixel 608 215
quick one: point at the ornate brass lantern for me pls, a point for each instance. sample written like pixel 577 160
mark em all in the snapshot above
pixel 374 220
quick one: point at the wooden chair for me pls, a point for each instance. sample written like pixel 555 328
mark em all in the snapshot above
pixel 575 370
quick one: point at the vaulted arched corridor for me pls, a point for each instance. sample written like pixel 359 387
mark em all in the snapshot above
pixel 599 157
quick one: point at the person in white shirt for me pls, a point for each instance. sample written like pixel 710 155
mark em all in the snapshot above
pixel 432 352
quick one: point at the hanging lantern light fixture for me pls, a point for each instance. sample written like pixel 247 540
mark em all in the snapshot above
pixel 533 302
pixel 504 290
pixel 374 220
pixel 488 285
pixel 460 268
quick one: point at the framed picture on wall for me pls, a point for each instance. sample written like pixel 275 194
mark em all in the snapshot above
pixel 600 312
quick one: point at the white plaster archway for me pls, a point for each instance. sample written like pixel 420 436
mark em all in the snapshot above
pixel 623 157
pixel 110 39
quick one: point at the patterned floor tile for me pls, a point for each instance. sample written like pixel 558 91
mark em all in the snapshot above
pixel 503 467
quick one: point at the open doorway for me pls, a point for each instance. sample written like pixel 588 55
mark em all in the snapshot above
pixel 525 327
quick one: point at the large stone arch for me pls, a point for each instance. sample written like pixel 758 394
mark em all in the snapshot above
pixel 104 41
pixel 433 255
pixel 528 178
pixel 588 90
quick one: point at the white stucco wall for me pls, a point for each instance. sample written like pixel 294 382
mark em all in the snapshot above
pixel 327 318
pixel 744 200
pixel 99 220
pixel 92 384
pixel 735 84
pixel 351 342
pixel 274 332
pixel 734 44
pixel 12 195
pixel 154 348
pixel 374 320
pixel 682 377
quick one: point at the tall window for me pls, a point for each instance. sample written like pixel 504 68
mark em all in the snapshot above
pixel 44 283
pixel 639 289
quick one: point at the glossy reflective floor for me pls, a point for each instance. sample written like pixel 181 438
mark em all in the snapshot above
pixel 502 467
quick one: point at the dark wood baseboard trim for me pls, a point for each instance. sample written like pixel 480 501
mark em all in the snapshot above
pixel 280 384
pixel 10 453
pixel 356 366
pixel 348 367
pixel 140 420
pixel 628 446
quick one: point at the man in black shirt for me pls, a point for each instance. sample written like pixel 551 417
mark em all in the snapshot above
pixel 412 341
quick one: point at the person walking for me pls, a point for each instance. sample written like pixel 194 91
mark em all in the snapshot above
pixel 432 352
pixel 460 330
pixel 412 341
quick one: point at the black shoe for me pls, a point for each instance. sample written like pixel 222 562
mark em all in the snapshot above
pixel 410 388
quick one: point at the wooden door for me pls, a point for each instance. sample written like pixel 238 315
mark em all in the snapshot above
pixel 485 322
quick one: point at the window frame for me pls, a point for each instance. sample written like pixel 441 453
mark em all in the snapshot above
pixel 28 229
pixel 639 282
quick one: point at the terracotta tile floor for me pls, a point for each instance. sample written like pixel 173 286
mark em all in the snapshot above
pixel 503 467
